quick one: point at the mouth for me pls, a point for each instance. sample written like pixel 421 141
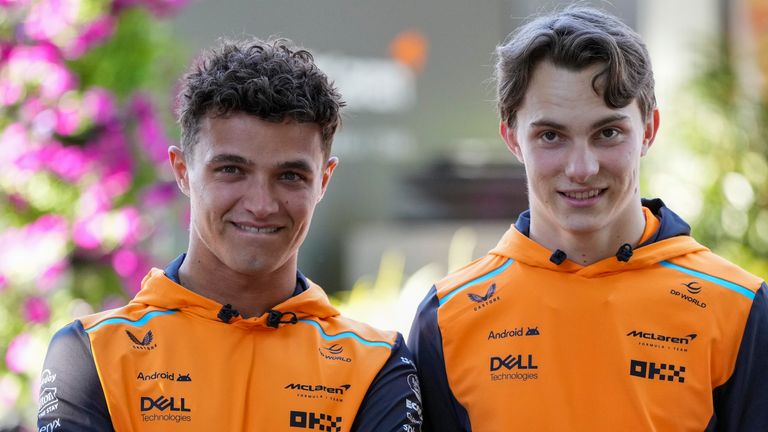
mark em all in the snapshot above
pixel 582 195
pixel 257 229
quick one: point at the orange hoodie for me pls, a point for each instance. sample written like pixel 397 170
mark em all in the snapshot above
pixel 171 360
pixel 669 340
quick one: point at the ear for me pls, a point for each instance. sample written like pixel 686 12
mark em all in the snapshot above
pixel 180 168
pixel 649 134
pixel 331 165
pixel 510 139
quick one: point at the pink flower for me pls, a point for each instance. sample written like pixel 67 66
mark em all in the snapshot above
pixel 99 104
pixel 48 18
pixel 36 310
pixel 14 141
pixel 50 277
pixel 108 230
pixel 160 8
pixel 69 163
pixel 160 194
pixel 42 65
pixel 151 134
pixel 93 34
pixel 18 353
pixel 3 282
pixel 131 266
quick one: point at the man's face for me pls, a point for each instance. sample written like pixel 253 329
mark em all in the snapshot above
pixel 253 186
pixel 582 157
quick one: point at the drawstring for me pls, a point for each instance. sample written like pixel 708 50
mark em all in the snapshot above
pixel 275 317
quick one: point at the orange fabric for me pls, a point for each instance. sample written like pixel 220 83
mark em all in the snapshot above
pixel 571 348
pixel 161 383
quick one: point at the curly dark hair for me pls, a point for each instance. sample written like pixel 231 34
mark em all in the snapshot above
pixel 270 79
pixel 576 38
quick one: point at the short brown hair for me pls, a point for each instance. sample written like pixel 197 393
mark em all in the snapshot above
pixel 575 38
pixel 271 80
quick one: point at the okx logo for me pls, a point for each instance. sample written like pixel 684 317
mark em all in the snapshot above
pixel 314 421
pixel 484 300
pixel 657 371
pixel 145 343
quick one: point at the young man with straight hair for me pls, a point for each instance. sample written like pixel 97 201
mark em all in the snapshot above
pixel 596 311
pixel 230 336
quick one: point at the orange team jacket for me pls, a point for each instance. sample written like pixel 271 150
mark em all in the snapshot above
pixel 174 360
pixel 665 337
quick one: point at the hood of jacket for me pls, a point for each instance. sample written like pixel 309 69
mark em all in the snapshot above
pixel 160 291
pixel 671 239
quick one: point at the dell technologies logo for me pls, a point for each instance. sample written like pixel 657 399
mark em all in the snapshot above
pixel 165 409
pixel 513 367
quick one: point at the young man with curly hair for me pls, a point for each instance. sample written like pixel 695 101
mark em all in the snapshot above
pixel 230 336
pixel 597 311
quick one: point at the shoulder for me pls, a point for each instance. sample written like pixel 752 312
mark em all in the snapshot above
pixel 483 271
pixel 132 313
pixel 363 334
pixel 722 276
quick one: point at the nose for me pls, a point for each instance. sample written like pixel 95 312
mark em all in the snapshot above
pixel 582 163
pixel 260 199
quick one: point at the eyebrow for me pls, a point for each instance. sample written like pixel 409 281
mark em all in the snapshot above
pixel 596 125
pixel 229 158
pixel 299 165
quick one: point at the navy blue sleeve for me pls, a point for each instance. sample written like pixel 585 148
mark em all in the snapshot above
pixel 741 404
pixel 71 397
pixel 393 401
pixel 442 412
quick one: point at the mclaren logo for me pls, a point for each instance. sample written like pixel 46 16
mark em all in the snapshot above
pixel 145 343
pixel 318 388
pixel 661 338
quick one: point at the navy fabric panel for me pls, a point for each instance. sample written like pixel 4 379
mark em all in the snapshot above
pixel 741 404
pixel 442 412
pixel 172 272
pixel 393 396
pixel 72 396
pixel 671 224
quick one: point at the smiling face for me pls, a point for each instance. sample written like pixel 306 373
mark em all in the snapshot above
pixel 582 157
pixel 253 186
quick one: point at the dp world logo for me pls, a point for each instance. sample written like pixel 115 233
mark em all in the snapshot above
pixel 693 287
pixel 334 352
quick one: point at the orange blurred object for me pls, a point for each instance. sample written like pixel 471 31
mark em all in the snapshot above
pixel 409 48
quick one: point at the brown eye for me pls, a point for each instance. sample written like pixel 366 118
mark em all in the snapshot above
pixel 549 136
pixel 609 133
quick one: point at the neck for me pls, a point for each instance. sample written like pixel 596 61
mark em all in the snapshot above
pixel 250 294
pixel 589 247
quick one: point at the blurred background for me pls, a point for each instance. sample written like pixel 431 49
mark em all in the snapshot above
pixel 88 203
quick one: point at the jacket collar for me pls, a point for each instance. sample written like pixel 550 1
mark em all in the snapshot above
pixel 161 289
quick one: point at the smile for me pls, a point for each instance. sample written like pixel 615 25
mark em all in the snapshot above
pixel 256 230
pixel 582 195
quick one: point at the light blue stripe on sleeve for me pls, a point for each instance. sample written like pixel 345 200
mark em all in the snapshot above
pixel 722 282
pixel 482 278
pixel 343 335
pixel 138 323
